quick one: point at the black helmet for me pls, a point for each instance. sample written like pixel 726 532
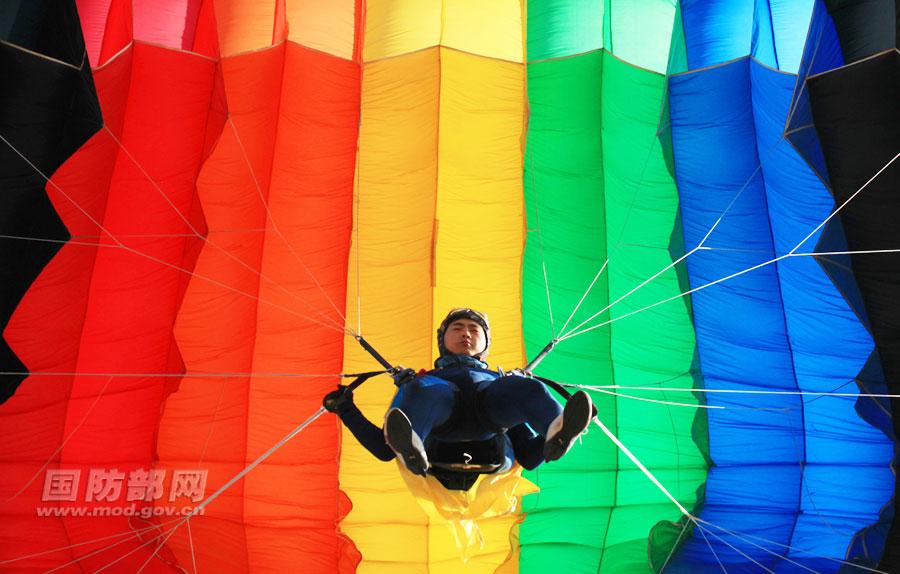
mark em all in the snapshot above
pixel 472 315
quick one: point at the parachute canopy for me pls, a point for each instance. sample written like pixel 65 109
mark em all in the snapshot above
pixel 206 202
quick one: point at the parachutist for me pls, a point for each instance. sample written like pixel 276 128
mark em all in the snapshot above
pixel 463 419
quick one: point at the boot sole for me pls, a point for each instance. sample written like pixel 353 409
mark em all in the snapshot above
pixel 399 433
pixel 576 418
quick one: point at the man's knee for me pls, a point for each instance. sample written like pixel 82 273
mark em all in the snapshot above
pixel 429 388
pixel 517 385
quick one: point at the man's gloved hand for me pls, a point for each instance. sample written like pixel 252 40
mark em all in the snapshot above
pixel 402 375
pixel 338 401
pixel 520 373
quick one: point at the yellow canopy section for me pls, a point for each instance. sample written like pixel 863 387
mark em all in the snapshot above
pixel 491 29
pixel 439 223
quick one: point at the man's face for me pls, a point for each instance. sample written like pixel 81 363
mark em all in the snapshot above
pixel 465 337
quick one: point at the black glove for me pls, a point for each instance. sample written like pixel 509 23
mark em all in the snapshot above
pixel 402 375
pixel 338 401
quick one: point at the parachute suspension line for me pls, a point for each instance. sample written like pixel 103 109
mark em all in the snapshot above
pixel 357 226
pixel 801 464
pixel 646 400
pixel 205 502
pixel 759 167
pixel 197 509
pixel 212 424
pixel 642 468
pixel 615 249
pixel 556 335
pixel 672 298
pixel 748 537
pixel 191 542
pixel 357 197
pixel 565 336
pixel 728 544
pixel 64 442
pixel 574 332
pixel 196 375
pixel 120 245
pixel 601 388
pixel 674 546
pixel 128 534
pixel 767 252
pixel 802 82
pixel 153 554
pixel 166 534
pixel 860 252
pixel 275 227
pixel 584 295
pixel 843 205
pixel 711 549
pixel 766 550
pixel 674 263
pixel 196 233
pixel 537 218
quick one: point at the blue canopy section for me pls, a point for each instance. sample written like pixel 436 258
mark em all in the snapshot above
pixel 803 474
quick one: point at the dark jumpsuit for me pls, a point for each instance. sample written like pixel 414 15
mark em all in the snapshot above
pixel 484 402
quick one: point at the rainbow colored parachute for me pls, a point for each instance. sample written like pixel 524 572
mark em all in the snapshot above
pixel 204 202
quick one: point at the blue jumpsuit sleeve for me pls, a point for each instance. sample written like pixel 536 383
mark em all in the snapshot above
pixel 368 435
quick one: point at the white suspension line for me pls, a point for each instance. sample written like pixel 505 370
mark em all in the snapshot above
pixel 672 298
pixel 846 202
pixel 193 554
pixel 190 374
pixel 615 249
pixel 212 424
pixel 796 101
pixel 574 331
pixel 711 549
pixel 165 534
pixel 726 543
pixel 211 243
pixel 209 498
pixel 155 259
pixel 699 246
pixel 155 552
pixel 63 444
pixel 747 537
pixel 771 553
pixel 860 252
pixel 737 391
pixel 356 226
pixel 565 336
pixel 641 466
pixel 646 400
pixel 537 216
pixel 275 227
pixel 675 545
pixel 111 546
pixel 768 252
pixel 584 295
pixel 129 534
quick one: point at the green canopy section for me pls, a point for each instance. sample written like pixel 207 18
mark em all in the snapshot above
pixel 637 32
pixel 600 195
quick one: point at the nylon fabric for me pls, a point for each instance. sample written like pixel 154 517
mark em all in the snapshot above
pixel 772 319
pixel 591 198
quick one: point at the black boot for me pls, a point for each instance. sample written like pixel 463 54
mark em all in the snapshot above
pixel 404 441
pixel 566 427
